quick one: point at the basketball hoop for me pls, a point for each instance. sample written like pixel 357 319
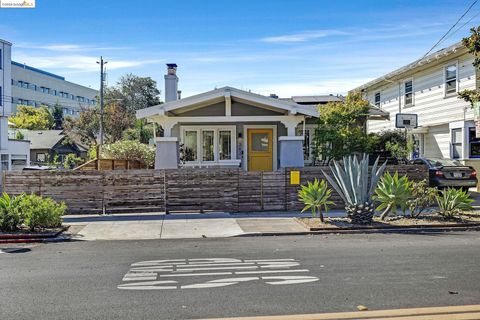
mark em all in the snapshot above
pixel 406 120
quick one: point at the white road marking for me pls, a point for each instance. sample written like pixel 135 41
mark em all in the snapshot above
pixel 197 274
pixel 271 271
pixel 148 285
pixel 147 275
pixel 269 260
pixel 290 279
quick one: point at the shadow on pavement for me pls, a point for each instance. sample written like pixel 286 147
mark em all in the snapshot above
pixel 15 250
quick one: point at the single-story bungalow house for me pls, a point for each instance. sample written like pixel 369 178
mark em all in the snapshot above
pixel 228 127
pixel 45 144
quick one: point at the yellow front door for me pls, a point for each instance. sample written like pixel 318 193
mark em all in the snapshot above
pixel 260 149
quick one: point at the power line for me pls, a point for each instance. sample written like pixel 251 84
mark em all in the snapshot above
pixel 443 37
pixel 463 25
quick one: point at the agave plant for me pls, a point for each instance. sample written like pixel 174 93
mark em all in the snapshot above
pixel 392 191
pixel 356 185
pixel 452 202
pixel 315 196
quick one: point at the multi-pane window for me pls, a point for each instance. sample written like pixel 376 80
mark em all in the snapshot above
pixel 207 145
pixel 225 144
pixel 210 144
pixel 408 93
pixel 190 145
pixel 456 143
pixel 377 99
pixel 4 162
pixel 307 143
pixel 451 79
pixel 474 144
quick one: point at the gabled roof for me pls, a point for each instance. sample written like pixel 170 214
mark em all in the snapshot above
pixel 317 99
pixel 45 139
pixel 415 65
pixel 221 93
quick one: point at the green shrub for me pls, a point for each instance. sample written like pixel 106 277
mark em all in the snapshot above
pixel 392 191
pixel 423 197
pixel 71 160
pixel 315 196
pixel 452 202
pixel 10 217
pixel 41 212
pixel 129 150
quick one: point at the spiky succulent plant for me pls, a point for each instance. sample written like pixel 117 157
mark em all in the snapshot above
pixel 355 184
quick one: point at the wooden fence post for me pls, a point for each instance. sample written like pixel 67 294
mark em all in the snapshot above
pixel 261 191
pixel 4 179
pixel 286 188
pixel 238 189
pixel 165 198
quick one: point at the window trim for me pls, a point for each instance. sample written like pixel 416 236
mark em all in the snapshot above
pixel 311 131
pixel 456 143
pixel 452 94
pixel 216 156
pixel 469 143
pixel 379 92
pixel 405 105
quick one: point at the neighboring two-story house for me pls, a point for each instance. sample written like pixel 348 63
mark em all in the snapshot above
pixel 429 87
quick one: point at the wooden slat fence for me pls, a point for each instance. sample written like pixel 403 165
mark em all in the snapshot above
pixel 218 189
pixel 111 164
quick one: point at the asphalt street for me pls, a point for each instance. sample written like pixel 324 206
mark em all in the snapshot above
pixel 203 278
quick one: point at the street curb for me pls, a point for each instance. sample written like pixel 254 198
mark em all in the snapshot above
pixel 361 231
pixel 58 236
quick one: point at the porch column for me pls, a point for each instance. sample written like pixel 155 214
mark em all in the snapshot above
pixel 291 146
pixel 167 153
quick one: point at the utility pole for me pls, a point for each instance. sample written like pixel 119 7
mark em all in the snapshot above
pixel 102 81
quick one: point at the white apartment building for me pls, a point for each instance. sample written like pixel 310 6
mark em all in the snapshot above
pixel 429 88
pixel 14 154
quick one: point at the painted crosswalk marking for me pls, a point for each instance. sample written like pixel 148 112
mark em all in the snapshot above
pixel 211 273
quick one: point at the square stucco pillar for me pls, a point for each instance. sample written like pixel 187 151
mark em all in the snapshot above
pixel 291 151
pixel 167 153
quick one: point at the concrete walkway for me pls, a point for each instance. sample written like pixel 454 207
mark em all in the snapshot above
pixel 181 225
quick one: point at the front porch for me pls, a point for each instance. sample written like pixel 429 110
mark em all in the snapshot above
pixel 228 127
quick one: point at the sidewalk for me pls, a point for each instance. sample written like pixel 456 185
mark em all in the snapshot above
pixel 182 225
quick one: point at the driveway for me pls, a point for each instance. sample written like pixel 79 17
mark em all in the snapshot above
pixel 180 225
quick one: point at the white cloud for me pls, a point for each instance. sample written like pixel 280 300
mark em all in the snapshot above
pixel 303 36
pixel 82 63
pixel 65 47
pixel 333 86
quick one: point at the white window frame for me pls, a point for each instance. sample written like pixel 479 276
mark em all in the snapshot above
pixel 199 129
pixel 375 99
pixel 458 143
pixel 453 94
pixel 405 93
pixel 311 131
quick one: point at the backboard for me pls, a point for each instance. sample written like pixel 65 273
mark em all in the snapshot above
pixel 406 120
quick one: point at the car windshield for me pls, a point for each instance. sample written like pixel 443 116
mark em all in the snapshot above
pixel 443 162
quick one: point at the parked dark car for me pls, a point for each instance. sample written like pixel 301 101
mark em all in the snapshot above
pixel 444 173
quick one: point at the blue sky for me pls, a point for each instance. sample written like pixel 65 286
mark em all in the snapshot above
pixel 294 47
